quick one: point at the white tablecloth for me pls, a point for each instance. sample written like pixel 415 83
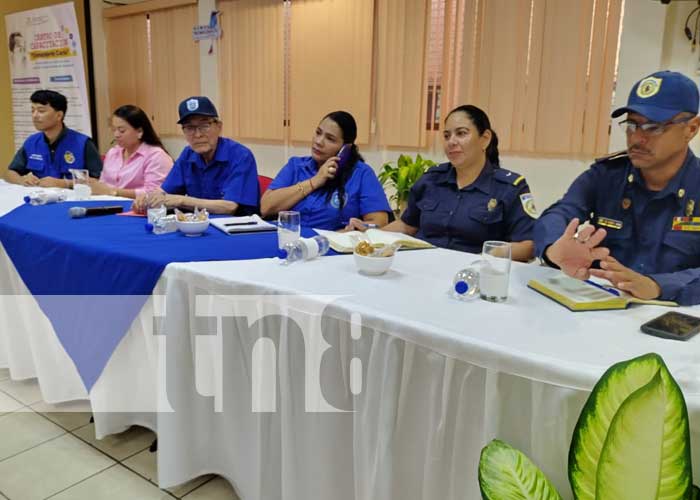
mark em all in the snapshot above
pixel 440 378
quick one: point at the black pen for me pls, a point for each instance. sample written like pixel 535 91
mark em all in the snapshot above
pixel 252 223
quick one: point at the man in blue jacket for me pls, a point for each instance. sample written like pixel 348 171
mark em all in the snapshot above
pixel 46 157
pixel 642 206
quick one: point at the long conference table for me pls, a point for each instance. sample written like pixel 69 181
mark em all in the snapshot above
pixel 312 381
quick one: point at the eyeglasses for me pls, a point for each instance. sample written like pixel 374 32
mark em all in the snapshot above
pixel 650 128
pixel 204 128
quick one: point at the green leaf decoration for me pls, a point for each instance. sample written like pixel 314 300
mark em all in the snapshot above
pixel 632 436
pixel 506 473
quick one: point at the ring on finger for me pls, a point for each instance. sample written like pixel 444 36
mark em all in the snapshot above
pixel 578 237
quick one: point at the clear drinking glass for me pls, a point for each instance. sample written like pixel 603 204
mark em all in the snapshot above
pixel 81 188
pixel 495 271
pixel 288 227
pixel 156 213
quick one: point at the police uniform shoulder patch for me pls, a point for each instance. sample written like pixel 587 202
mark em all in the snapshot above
pixel 618 155
pixel 528 203
pixel 503 175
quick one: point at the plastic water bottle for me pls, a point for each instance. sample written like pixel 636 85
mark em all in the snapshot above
pixel 44 197
pixel 304 249
pixel 465 284
pixel 163 225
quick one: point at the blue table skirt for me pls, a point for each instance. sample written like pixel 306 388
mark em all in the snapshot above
pixel 92 276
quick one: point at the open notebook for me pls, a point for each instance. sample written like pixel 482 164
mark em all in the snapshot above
pixel 345 242
pixel 580 295
pixel 247 224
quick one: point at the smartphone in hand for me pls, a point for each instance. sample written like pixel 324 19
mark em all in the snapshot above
pixel 673 325
pixel 344 156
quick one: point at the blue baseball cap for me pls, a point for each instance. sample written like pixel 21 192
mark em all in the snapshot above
pixel 196 105
pixel 661 96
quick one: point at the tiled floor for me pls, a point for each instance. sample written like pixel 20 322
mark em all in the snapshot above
pixel 49 451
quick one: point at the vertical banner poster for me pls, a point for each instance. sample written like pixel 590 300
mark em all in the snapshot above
pixel 45 53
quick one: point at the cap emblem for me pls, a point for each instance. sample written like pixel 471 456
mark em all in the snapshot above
pixel 649 87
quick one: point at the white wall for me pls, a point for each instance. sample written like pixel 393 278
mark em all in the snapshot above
pixel 651 39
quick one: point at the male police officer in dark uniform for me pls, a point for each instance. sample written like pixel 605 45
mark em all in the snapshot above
pixel 46 157
pixel 643 205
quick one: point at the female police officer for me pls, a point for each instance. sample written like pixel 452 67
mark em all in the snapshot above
pixel 470 200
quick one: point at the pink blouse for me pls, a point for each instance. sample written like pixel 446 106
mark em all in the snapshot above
pixel 144 171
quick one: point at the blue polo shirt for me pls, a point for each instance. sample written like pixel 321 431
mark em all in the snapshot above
pixel 232 175
pixel 493 207
pixel 643 231
pixel 363 194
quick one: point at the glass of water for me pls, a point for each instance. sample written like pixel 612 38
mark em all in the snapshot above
pixel 288 227
pixel 81 186
pixel 495 271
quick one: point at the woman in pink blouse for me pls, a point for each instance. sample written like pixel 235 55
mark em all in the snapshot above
pixel 138 163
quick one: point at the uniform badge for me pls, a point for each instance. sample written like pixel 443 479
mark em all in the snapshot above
pixel 335 200
pixel 492 204
pixel 626 203
pixel 192 104
pixel 630 178
pixel 610 223
pixel 649 87
pixel 528 203
pixel 689 208
pixel 69 158
pixel 686 224
pixel 681 193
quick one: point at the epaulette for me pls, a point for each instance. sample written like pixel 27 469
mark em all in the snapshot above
pixel 508 177
pixel 612 156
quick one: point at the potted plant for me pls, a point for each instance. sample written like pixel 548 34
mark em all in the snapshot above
pixel 631 442
pixel 402 176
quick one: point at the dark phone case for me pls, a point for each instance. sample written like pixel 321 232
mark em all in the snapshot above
pixel 651 329
pixel 344 155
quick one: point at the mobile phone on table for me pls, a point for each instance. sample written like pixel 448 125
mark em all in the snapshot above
pixel 344 155
pixel 673 325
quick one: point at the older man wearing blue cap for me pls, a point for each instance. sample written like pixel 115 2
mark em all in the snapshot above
pixel 212 172
pixel 641 207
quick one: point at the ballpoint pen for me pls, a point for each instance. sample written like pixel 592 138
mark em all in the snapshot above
pixel 367 225
pixel 602 287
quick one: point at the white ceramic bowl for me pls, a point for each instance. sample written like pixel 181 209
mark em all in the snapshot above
pixel 373 266
pixel 193 228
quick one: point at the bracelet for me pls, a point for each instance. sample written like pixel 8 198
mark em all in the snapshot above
pixel 546 260
pixel 312 185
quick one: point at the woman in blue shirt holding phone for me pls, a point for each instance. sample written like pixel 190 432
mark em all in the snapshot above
pixel 332 185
